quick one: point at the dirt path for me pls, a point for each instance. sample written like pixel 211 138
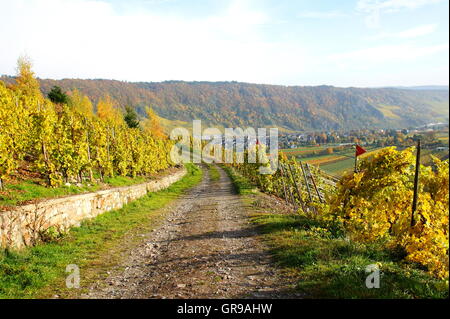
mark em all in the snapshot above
pixel 206 248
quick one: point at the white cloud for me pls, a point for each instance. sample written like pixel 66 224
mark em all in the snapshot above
pixel 88 39
pixel 374 8
pixel 392 5
pixel 322 14
pixel 417 32
pixel 407 34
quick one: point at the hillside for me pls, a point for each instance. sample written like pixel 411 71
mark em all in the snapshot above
pixel 295 108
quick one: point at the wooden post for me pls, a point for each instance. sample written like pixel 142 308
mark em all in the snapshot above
pixel 306 182
pixel 356 161
pixel 298 189
pixel 291 196
pixel 284 184
pixel 298 174
pixel 314 184
pixel 416 184
pixel 91 175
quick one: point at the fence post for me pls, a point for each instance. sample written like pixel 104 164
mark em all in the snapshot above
pixel 416 184
pixel 298 189
pixel 314 184
pixel 284 184
pixel 306 182
pixel 291 196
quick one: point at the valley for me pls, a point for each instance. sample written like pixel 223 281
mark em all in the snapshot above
pixel 290 108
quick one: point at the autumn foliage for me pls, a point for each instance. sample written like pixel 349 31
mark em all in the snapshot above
pixel 67 141
pixel 375 204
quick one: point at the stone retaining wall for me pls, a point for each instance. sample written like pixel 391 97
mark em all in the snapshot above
pixel 24 225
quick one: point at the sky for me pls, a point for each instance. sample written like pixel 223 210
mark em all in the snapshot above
pixel 360 43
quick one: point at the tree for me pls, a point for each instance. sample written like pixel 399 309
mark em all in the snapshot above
pixel 131 117
pixel 81 103
pixel 56 95
pixel 152 124
pixel 107 112
pixel 26 82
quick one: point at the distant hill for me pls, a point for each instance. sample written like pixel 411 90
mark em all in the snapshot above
pixel 296 108
pixel 424 87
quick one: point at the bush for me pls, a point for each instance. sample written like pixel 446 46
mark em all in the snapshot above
pixel 375 204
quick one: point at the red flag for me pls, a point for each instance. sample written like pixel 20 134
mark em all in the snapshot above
pixel 359 150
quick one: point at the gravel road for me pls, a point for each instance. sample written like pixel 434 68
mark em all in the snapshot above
pixel 206 248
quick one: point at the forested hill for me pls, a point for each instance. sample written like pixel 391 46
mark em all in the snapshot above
pixel 233 104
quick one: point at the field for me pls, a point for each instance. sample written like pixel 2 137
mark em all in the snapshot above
pixel 443 137
pixel 341 159
pixel 336 163
pixel 426 156
pixel 388 110
pixel 305 151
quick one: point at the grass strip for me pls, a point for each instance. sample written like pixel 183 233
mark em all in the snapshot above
pixel 242 185
pixel 28 190
pixel 214 174
pixel 30 272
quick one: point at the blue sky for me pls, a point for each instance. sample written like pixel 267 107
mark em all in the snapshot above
pixel 343 43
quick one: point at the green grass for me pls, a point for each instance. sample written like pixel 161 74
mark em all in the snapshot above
pixel 214 174
pixel 118 181
pixel 25 191
pixel 241 184
pixel 339 168
pixel 304 149
pixel 388 110
pixel 327 265
pixel 16 194
pixel 30 272
pixel 319 157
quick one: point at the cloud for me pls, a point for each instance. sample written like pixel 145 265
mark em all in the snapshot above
pixel 374 8
pixel 392 5
pixel 322 14
pixel 89 39
pixel 407 34
pixel 244 42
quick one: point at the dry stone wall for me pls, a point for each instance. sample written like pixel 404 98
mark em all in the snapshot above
pixel 25 225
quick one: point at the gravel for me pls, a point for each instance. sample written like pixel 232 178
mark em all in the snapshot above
pixel 205 248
